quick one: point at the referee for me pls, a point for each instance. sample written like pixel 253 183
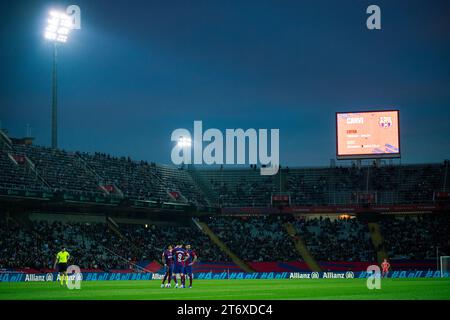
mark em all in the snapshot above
pixel 62 258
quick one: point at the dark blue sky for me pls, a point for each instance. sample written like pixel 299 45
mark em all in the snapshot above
pixel 137 70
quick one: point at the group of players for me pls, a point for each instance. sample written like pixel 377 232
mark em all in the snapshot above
pixel 178 262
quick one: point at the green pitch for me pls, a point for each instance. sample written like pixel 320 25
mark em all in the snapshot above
pixel 233 289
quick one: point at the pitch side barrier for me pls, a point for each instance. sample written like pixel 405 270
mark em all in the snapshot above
pixel 116 276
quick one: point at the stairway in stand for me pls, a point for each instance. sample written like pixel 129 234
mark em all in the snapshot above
pixel 377 240
pixel 302 248
pixel 214 238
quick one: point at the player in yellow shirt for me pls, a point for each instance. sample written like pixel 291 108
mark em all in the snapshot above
pixel 62 258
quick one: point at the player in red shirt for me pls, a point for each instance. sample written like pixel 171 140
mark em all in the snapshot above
pixel 385 268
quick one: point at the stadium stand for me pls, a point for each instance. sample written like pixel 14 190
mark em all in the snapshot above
pixel 261 241
pixel 239 187
pixel 98 174
pixel 16 174
pixel 337 239
pixel 94 245
pixel 58 169
pixel 323 186
pixel 135 179
pixel 255 238
pixel 416 237
pixel 258 239
pixel 154 239
pixel 105 175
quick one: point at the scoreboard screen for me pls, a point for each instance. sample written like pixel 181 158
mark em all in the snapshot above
pixel 367 134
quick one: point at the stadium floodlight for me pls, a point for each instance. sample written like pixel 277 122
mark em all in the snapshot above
pixel 57 30
pixel 184 142
pixel 59 26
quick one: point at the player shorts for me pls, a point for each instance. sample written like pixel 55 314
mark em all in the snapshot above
pixel 169 268
pixel 62 267
pixel 187 269
pixel 178 268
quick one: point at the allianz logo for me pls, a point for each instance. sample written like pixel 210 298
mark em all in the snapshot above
pixel 156 276
pixel 39 277
pixel 337 275
pixel 325 275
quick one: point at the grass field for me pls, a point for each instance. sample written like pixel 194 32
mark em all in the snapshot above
pixel 354 289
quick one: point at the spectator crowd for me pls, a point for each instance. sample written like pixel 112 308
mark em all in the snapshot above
pixel 417 237
pixel 96 245
pixel 255 238
pixel 252 238
pixel 337 239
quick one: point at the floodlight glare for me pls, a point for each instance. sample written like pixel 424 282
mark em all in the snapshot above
pixel 59 26
pixel 50 35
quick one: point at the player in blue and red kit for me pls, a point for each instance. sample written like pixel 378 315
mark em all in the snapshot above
pixel 180 255
pixel 167 259
pixel 191 259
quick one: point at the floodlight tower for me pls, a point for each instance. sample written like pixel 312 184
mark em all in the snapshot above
pixel 57 31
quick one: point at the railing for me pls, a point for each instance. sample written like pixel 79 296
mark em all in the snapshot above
pixel 339 198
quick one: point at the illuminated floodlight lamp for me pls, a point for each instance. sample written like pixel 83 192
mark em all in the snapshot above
pixel 184 142
pixel 58 27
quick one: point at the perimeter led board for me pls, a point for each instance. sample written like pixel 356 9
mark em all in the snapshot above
pixel 367 134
